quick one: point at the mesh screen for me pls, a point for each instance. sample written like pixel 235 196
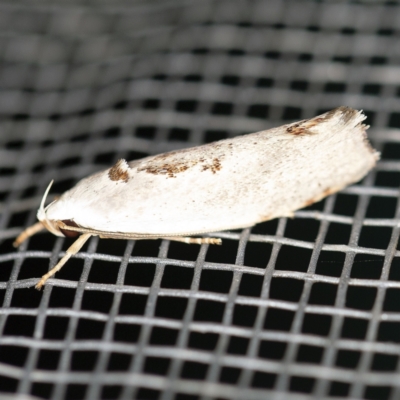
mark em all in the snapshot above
pixel 297 308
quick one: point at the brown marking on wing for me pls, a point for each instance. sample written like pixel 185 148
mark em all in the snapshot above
pixel 176 162
pixel 303 127
pixel 120 171
pixel 166 169
pixel 346 113
pixel 214 166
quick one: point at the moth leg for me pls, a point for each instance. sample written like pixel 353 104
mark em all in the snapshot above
pixel 28 232
pixel 191 240
pixel 73 249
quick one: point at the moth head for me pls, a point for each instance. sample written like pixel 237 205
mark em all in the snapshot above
pixel 54 226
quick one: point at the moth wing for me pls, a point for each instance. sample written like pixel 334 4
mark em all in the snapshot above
pixel 225 185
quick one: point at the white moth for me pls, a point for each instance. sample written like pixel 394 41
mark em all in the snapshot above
pixel 230 184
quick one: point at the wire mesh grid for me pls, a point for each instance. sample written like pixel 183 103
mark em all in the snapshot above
pixel 293 308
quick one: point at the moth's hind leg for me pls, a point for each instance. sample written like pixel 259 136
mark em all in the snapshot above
pixel 191 240
pixel 73 249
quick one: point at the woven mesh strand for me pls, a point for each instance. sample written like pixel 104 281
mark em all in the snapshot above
pixel 297 308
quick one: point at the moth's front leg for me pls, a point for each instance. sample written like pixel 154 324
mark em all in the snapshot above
pixel 73 249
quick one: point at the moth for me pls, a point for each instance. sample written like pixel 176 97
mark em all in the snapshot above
pixel 229 184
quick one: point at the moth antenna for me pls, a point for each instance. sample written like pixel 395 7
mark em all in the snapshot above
pixel 41 213
pixel 45 195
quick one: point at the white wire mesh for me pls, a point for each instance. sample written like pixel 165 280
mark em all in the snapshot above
pixel 286 310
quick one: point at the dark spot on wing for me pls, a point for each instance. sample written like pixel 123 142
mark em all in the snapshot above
pixel 120 171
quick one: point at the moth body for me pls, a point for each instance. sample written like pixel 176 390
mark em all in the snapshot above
pixel 230 184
